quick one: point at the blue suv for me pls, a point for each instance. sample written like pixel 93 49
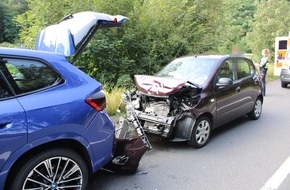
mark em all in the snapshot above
pixel 54 131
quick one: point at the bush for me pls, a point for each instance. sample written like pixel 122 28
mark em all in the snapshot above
pixel 6 44
pixel 113 100
pixel 125 81
pixel 270 74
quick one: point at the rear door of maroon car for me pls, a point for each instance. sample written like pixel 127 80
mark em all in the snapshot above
pixel 248 85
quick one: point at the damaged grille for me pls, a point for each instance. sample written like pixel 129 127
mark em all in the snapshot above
pixel 159 115
pixel 155 117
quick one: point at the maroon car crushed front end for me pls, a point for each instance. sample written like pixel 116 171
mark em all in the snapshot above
pixel 162 102
pixel 194 94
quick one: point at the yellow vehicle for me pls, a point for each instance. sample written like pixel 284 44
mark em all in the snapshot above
pixel 282 59
pixel 281 46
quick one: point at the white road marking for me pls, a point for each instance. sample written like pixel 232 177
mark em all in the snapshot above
pixel 275 181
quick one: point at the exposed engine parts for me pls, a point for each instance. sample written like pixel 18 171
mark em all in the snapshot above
pixel 160 114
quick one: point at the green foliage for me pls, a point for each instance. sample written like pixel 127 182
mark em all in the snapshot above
pixel 270 73
pixel 12 69
pixel 156 32
pixel 16 6
pixel 39 15
pixel 270 21
pixel 210 14
pixel 235 24
pixel 6 44
pixel 113 99
pixel 8 29
pixel 125 81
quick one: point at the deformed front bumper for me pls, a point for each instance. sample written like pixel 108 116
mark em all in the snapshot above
pixel 130 148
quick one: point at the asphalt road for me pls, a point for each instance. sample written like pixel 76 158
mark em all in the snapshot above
pixel 241 155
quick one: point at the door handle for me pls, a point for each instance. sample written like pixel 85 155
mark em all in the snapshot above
pixel 4 123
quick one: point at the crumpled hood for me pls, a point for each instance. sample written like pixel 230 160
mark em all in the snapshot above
pixel 158 86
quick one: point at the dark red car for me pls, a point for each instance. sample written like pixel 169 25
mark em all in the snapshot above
pixel 194 94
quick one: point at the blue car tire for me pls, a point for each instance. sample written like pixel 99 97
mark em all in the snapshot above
pixel 53 169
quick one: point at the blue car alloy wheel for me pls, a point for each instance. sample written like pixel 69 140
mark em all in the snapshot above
pixel 53 169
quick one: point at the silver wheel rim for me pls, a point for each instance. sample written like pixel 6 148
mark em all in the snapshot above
pixel 258 108
pixel 202 132
pixel 54 173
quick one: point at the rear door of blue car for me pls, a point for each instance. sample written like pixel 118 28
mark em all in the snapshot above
pixel 13 125
pixel 43 94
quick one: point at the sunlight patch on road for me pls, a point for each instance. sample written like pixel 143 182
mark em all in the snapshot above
pixel 275 181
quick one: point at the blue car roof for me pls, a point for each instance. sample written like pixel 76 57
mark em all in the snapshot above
pixel 29 53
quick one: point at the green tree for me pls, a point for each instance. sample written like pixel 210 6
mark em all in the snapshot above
pixel 16 7
pixel 8 28
pixel 42 13
pixel 269 22
pixel 234 26
pixel 209 14
pixel 156 32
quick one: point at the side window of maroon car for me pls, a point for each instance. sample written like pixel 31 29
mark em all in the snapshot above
pixel 225 70
pixel 235 69
pixel 244 69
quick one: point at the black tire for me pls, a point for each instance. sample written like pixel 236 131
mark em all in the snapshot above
pixel 257 110
pixel 284 85
pixel 67 169
pixel 200 133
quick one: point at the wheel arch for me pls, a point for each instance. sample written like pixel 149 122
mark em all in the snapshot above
pixel 200 139
pixel 183 129
pixel 261 97
pixel 210 117
pixel 65 143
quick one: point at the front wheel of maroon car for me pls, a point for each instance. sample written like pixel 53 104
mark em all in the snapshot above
pixel 52 169
pixel 257 110
pixel 201 133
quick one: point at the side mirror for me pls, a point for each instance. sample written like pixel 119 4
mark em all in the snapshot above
pixel 223 82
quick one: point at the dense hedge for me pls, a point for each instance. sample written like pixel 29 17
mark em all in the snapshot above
pixel 158 31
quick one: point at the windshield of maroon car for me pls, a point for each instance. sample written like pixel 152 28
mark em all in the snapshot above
pixel 195 70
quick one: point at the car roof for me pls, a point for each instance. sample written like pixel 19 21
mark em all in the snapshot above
pixel 207 56
pixel 218 57
pixel 25 52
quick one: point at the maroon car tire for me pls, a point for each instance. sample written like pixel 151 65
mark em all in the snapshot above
pixel 257 110
pixel 201 132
